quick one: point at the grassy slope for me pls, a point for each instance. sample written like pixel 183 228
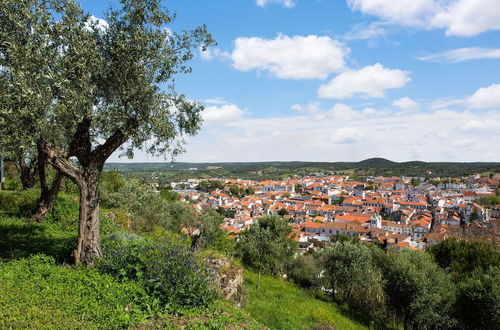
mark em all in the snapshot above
pixel 38 292
pixel 280 304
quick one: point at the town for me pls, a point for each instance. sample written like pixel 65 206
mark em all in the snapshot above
pixel 400 212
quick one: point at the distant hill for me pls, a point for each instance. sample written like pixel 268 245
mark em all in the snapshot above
pixel 168 172
pixel 375 163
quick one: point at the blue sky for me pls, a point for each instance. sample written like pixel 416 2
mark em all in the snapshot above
pixel 335 80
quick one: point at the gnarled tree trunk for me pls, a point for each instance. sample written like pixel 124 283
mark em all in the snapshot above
pixel 47 195
pixel 27 173
pixel 88 247
pixel 47 198
pixel 86 177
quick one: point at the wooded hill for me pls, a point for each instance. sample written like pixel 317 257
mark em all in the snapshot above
pixel 274 170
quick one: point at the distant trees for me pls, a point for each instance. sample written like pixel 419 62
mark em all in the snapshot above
pixel 478 299
pixel 453 286
pixel 461 257
pixel 209 185
pixel 417 290
pixel 266 245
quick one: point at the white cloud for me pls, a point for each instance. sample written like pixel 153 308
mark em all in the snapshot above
pixel 369 82
pixel 96 23
pixel 404 12
pixel 296 57
pixel 456 17
pixel 468 17
pixel 486 97
pixel 484 125
pixel 227 112
pixel 363 32
pixel 347 135
pixel 211 53
pixel 462 54
pixel 284 3
pixel 405 103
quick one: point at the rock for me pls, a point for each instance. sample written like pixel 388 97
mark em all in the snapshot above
pixel 228 279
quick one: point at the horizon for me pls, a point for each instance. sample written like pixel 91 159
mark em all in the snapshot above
pixel 299 161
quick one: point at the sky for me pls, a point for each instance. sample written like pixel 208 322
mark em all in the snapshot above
pixel 341 80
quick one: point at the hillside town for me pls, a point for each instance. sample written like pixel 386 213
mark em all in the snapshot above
pixel 400 212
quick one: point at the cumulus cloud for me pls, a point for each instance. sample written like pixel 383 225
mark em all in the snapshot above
pixel 226 112
pixel 405 103
pixel 369 82
pixel 486 97
pixel 462 54
pixel 404 12
pixel 296 57
pixel 456 17
pixel 468 17
pixel 284 3
pixel 350 134
pixel 345 133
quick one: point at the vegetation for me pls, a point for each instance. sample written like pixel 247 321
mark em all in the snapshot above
pixel 96 89
pixel 267 245
pixel 167 172
pixel 279 304
pixel 38 293
pixel 39 290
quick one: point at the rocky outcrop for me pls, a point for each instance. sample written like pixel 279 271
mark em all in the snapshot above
pixel 228 279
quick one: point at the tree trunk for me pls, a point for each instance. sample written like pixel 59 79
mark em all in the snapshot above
pixel 47 198
pixel 27 173
pixel 195 241
pixel 258 282
pixel 88 247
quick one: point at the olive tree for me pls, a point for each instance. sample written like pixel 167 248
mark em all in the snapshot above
pixel 112 88
pixel 266 245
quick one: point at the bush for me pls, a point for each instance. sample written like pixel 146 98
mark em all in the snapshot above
pixel 462 257
pixel 12 184
pixel 305 271
pixel 18 202
pixel 478 300
pixel 168 270
pixel 65 212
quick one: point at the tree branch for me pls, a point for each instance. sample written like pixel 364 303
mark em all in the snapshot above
pixel 119 137
pixel 59 160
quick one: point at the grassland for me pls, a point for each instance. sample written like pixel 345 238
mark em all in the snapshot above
pixel 279 304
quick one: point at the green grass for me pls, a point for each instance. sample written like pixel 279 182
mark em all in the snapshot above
pixel 39 290
pixel 279 304
pixel 21 237
pixel 220 315
pixel 38 293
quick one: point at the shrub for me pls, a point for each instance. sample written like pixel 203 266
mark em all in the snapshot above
pixel 478 300
pixel 305 271
pixel 18 202
pixel 463 257
pixel 169 270
pixel 65 212
pixel 12 184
